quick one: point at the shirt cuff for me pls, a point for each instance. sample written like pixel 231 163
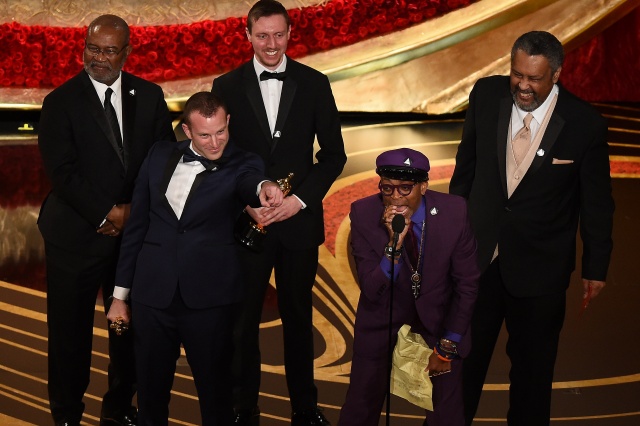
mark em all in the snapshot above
pixel 304 206
pixel 259 188
pixel 454 337
pixel 121 293
pixel 105 219
pixel 385 265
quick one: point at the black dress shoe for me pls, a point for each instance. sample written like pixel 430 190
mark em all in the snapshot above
pixel 246 417
pixel 310 417
pixel 130 418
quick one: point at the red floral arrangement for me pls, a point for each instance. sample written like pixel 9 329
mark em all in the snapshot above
pixel 38 56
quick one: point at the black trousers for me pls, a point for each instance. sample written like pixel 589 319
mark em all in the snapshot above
pixel 206 337
pixel 533 325
pixel 73 281
pixel 295 272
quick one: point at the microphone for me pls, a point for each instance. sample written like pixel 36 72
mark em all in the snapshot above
pixel 397 225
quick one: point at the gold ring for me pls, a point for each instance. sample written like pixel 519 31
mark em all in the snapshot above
pixel 119 326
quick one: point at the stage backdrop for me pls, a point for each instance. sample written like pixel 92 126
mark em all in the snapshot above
pixel 381 55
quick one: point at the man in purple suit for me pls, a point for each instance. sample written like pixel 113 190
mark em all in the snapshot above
pixel 436 282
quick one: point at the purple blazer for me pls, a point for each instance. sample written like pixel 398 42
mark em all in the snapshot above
pixel 449 275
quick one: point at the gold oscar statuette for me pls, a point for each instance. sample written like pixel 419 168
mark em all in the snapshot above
pixel 247 231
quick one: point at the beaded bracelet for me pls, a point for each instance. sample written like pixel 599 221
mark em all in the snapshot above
pixel 448 346
pixel 444 358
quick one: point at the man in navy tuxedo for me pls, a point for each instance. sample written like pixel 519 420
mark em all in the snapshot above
pixel 95 131
pixel 525 206
pixel 178 260
pixel 278 107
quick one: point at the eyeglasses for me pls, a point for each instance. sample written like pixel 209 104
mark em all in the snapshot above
pixel 404 189
pixel 109 52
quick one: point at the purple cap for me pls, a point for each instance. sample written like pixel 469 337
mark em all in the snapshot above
pixel 403 164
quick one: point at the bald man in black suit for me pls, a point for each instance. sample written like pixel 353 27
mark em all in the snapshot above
pixel 92 163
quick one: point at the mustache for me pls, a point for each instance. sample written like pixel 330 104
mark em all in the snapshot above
pixel 101 64
pixel 525 92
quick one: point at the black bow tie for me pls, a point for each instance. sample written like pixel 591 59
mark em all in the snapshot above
pixel 266 75
pixel 189 156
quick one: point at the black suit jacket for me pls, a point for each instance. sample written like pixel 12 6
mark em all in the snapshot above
pixel 87 173
pixel 307 109
pixel 197 251
pixel 535 228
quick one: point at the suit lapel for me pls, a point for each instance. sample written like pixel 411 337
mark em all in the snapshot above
pixel 430 234
pixel 196 183
pixel 381 238
pixel 549 138
pixel 252 89
pixel 96 109
pixel 556 123
pixel 129 102
pixel 504 117
pixel 289 87
pixel 170 167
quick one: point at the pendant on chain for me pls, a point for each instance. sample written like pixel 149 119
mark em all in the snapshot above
pixel 416 278
pixel 415 284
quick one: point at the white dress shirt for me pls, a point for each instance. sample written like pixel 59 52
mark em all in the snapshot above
pixel 271 90
pixel 181 183
pixel 116 97
pixel 517 115
pixel 116 101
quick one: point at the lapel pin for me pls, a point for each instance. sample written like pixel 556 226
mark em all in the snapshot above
pixel 433 211
pixel 277 134
pixel 132 92
pixel 540 152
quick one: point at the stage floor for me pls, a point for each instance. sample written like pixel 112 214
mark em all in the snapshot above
pixel 592 387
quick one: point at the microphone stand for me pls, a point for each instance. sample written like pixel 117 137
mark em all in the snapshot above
pixel 397 224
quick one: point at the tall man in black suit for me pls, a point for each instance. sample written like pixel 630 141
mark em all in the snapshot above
pixel 533 163
pixel 278 106
pixel 179 260
pixel 92 156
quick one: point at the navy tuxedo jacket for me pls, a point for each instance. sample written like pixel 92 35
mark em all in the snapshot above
pixel 307 109
pixel 197 252
pixel 449 274
pixel 535 228
pixel 87 174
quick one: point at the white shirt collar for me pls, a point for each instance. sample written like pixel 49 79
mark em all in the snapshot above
pixel 101 87
pixel 191 148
